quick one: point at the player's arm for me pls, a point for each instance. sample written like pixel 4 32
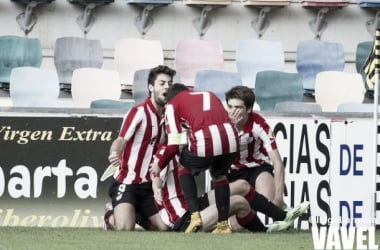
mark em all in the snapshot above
pixel 116 150
pixel 279 176
pixel 156 186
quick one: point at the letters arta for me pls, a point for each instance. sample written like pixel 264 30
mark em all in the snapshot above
pixel 25 136
pixel 24 184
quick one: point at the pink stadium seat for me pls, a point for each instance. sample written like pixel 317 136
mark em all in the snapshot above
pixel 195 55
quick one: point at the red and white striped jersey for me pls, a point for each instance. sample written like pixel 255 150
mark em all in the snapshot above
pixel 256 140
pixel 173 202
pixel 204 118
pixel 142 129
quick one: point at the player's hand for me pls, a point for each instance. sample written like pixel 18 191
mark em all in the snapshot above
pixel 154 168
pixel 236 117
pixel 114 159
pixel 157 194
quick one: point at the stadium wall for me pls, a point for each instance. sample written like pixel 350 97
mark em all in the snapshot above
pixel 51 163
pixel 289 25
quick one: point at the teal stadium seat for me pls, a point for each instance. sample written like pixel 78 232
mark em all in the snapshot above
pixel 363 50
pixel 111 104
pixel 274 86
pixel 216 81
pixel 253 55
pixel 16 52
pixel 72 53
pixel 314 56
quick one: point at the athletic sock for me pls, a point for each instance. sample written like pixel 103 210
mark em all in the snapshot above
pixel 189 189
pixel 222 199
pixel 261 204
pixel 252 223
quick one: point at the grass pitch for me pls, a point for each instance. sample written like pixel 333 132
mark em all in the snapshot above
pixel 86 238
pixel 92 238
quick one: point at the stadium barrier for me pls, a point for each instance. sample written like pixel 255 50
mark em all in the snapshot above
pixel 51 164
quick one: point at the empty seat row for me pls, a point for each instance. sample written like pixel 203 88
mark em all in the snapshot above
pixel 192 56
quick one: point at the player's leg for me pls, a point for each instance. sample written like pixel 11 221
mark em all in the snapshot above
pixel 123 203
pixel 147 208
pixel 192 165
pixel 124 214
pixel 265 185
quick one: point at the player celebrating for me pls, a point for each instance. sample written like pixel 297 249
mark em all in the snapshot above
pixel 199 120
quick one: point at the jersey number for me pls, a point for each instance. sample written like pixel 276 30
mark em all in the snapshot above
pixel 205 99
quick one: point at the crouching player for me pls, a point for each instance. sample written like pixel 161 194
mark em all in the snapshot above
pixel 173 209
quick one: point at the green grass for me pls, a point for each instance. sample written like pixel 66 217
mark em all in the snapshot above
pixel 86 238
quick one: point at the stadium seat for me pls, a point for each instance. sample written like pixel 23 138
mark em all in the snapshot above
pixel 72 53
pixel 298 107
pixel 194 55
pixel 349 107
pixel 16 52
pixel 35 87
pixel 314 56
pixel 335 87
pixel 363 50
pixel 324 3
pixel 274 86
pixel 218 82
pixel 132 54
pixel 254 55
pixel 140 85
pixel 369 4
pixel 89 84
pixel 111 104
pixel 266 2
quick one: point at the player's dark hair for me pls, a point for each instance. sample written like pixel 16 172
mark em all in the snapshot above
pixel 243 93
pixel 160 69
pixel 174 90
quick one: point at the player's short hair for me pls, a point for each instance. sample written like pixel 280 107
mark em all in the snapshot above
pixel 243 93
pixel 160 69
pixel 174 90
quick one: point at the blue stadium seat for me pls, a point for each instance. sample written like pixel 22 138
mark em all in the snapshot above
pixel 216 81
pixel 253 55
pixel 315 56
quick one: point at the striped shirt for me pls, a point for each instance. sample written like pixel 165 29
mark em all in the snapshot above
pixel 256 140
pixel 173 202
pixel 142 129
pixel 203 117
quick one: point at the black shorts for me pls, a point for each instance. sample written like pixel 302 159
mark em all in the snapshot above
pixel 218 165
pixel 250 174
pixel 139 195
